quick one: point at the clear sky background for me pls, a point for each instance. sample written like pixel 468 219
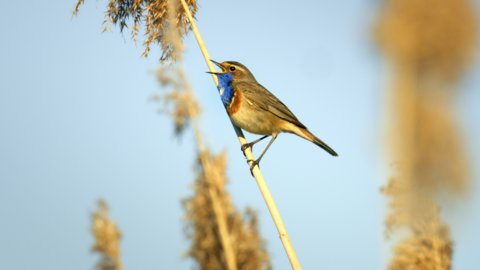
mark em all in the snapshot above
pixel 76 124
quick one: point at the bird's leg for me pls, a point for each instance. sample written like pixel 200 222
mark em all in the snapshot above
pixel 256 162
pixel 250 144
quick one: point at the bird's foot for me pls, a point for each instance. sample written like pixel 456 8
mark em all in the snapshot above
pixel 252 164
pixel 245 146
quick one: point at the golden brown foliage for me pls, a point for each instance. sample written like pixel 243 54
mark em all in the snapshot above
pixel 161 20
pixel 107 239
pixel 202 228
pixel 430 42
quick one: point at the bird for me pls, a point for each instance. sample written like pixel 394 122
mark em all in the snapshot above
pixel 253 108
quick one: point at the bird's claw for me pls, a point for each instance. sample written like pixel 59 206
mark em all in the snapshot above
pixel 245 146
pixel 252 164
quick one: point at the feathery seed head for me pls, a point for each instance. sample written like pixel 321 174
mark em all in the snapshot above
pixel 164 22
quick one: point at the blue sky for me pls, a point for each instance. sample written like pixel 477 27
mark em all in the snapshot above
pixel 77 124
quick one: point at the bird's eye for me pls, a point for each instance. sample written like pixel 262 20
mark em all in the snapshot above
pixel 232 68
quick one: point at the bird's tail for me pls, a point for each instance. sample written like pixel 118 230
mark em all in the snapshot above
pixel 309 136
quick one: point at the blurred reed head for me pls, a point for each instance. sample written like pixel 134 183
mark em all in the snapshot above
pixel 431 34
pixel 179 101
pixel 202 227
pixel 107 238
pixel 430 247
pixel 426 142
pixel 425 242
pixel 164 22
pixel 429 43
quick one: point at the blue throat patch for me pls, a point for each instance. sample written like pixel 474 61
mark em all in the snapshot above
pixel 225 87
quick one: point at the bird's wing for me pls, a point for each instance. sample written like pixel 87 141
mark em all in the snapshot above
pixel 263 99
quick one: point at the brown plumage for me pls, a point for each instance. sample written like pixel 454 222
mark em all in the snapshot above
pixel 253 108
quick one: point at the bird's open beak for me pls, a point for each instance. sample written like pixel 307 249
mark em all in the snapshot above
pixel 219 65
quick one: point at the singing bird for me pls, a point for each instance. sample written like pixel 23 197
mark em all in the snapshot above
pixel 254 109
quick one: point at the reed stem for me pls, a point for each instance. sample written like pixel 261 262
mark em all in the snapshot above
pixel 257 174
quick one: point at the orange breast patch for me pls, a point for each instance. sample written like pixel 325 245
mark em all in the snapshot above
pixel 236 103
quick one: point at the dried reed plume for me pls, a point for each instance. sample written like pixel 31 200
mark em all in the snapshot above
pixel 107 239
pixel 202 228
pixel 161 20
pixel 179 102
pixel 429 43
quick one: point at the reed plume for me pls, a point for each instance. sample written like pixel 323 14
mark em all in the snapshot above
pixel 179 102
pixel 161 20
pixel 429 44
pixel 107 239
pixel 202 225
